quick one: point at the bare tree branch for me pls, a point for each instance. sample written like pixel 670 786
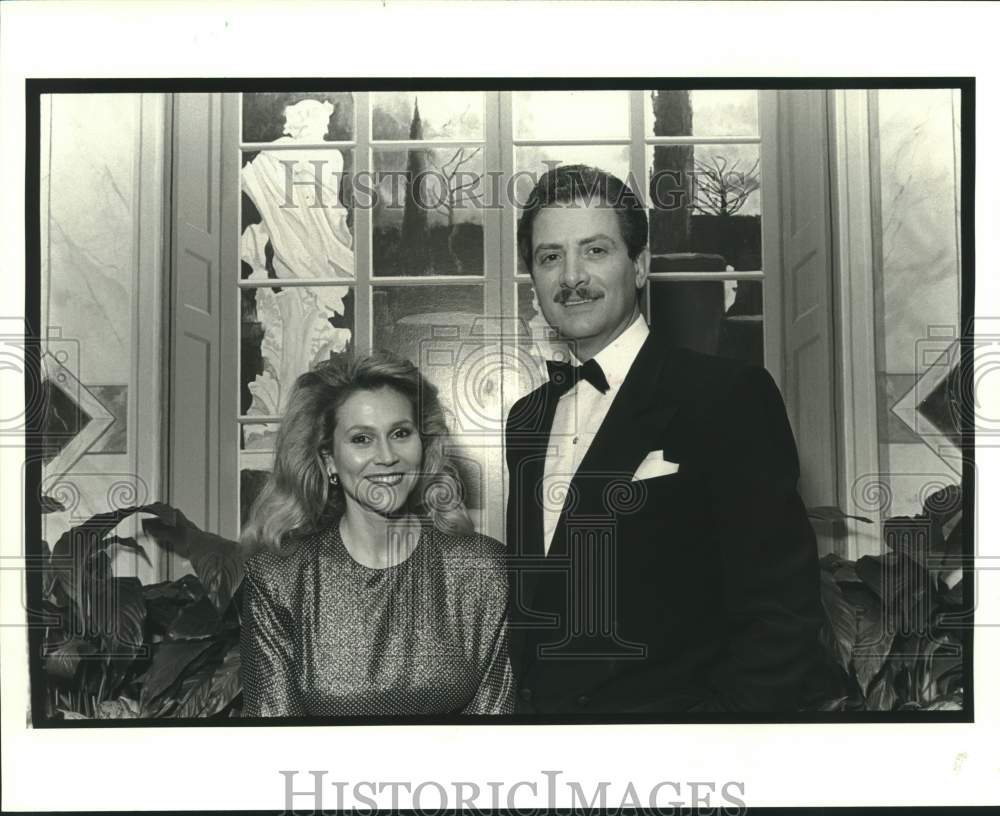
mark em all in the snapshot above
pixel 723 189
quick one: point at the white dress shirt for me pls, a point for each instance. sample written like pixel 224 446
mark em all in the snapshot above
pixel 579 415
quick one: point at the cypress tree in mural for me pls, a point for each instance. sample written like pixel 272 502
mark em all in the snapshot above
pixel 414 258
pixel 672 173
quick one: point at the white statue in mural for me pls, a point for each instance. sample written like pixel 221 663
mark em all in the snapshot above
pixel 308 241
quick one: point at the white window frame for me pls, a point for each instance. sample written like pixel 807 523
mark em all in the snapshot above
pixel 854 317
pixel 500 278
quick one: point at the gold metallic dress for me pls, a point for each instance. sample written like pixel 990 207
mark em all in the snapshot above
pixel 324 635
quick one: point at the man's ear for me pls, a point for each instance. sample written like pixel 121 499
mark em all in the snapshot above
pixel 641 264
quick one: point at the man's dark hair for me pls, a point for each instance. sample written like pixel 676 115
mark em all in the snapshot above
pixel 580 183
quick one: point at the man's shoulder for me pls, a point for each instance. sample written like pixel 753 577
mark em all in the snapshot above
pixel 708 378
pixel 696 377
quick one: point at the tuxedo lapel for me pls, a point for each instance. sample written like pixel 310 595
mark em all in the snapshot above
pixel 532 427
pixel 634 425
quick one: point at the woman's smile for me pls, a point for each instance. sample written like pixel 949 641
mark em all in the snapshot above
pixel 391 479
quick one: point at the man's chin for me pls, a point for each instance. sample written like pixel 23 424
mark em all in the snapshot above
pixel 577 330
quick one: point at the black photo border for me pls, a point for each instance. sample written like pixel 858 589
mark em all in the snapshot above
pixel 35 88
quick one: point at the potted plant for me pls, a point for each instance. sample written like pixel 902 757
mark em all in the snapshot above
pixel 892 633
pixel 115 648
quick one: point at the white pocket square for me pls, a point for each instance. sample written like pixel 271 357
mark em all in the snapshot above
pixel 654 465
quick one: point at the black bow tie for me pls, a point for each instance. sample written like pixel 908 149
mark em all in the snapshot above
pixel 563 376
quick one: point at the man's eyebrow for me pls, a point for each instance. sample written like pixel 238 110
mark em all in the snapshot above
pixel 588 240
pixel 599 237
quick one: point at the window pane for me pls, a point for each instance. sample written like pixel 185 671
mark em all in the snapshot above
pixel 427 115
pixel 296 218
pixel 701 113
pixel 706 199
pixel 303 117
pixel 714 317
pixel 284 332
pixel 426 220
pixel 258 437
pixel 412 320
pixel 554 115
pixel 441 329
pixel 530 163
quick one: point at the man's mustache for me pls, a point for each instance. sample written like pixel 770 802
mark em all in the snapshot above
pixel 579 293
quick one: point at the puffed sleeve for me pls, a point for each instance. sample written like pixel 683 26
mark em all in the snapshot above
pixel 265 651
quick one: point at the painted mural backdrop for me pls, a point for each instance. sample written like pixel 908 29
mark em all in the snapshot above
pixel 917 292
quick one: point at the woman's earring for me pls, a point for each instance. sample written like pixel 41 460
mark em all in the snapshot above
pixel 334 480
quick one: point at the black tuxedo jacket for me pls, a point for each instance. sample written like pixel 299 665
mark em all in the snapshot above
pixel 697 590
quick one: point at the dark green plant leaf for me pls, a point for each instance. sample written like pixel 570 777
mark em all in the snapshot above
pixel 936 658
pixel 221 570
pixel 847 574
pixel 92 532
pixel 49 505
pixel 873 645
pixel 911 601
pixel 196 672
pixel 932 540
pixel 858 593
pixel 79 559
pixel 842 619
pixel 882 696
pixel 831 513
pixel 185 589
pixel 217 561
pixel 54 616
pixel 837 704
pixel 944 510
pixel 954 597
pixel 99 566
pixel 952 703
pixel 160 614
pixel 128 614
pixel 122 708
pixel 226 685
pixel 945 672
pixel 832 562
pixel 129 544
pixel 950 680
pixel 903 659
pixel 871 570
pixel 169 662
pixel 48 576
pixel 64 660
pixel 122 673
pixel 217 689
pixel 198 620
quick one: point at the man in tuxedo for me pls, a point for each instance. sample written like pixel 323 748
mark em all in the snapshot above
pixel 661 559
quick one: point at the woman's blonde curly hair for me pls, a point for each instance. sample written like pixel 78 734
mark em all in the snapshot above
pixel 298 498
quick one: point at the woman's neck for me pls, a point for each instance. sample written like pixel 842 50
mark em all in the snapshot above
pixel 378 541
